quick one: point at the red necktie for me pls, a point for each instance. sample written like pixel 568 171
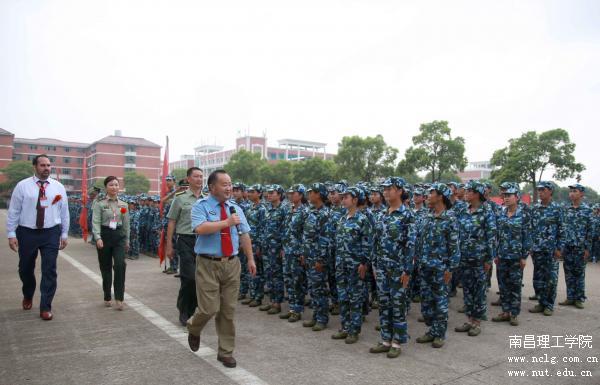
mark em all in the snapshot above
pixel 39 219
pixel 226 245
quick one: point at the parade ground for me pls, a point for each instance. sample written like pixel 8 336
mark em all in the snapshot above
pixel 87 343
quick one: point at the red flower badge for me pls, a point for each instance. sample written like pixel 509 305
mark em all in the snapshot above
pixel 56 199
pixel 123 210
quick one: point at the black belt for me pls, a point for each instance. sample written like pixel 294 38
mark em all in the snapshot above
pixel 187 235
pixel 216 258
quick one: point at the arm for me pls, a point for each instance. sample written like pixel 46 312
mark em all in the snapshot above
pixel 491 242
pixel 64 215
pixel 246 245
pixel 126 227
pixel 453 245
pixel 14 211
pixel 96 219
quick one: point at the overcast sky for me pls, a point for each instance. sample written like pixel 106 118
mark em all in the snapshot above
pixel 200 71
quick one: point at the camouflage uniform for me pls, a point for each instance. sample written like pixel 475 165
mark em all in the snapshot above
pixel 134 235
pixel 272 258
pixel 575 239
pixel 415 279
pixel 546 227
pixel 353 248
pixel 440 253
pixel 294 272
pixel 255 215
pixel 393 252
pixel 336 214
pixel 595 253
pixel 316 245
pixel 477 246
pixel 514 244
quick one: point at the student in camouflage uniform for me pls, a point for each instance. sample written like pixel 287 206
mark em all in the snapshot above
pixel 547 220
pixel 420 213
pixel 294 272
pixel 596 233
pixel 238 190
pixel 353 251
pixel 336 212
pixel 255 215
pixel 576 244
pixel 440 257
pixel 134 226
pixel 496 209
pixel 514 245
pixel 315 242
pixel 273 251
pixel 458 207
pixel 393 255
pixel 477 250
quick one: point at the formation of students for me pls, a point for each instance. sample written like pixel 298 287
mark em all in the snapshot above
pixel 344 250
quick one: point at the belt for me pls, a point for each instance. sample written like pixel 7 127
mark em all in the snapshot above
pixel 187 235
pixel 216 258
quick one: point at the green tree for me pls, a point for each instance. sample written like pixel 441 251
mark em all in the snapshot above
pixel 179 173
pixel 445 177
pixel 434 150
pixel 314 170
pixel 365 158
pixel 245 166
pixel 281 173
pixel 15 172
pixel 529 156
pixel 136 183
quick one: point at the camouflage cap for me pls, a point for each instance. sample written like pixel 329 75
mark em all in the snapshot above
pixel 256 187
pixel 300 188
pixel 476 186
pixel 239 186
pixel 545 184
pixel 394 181
pixel 170 177
pixel 275 187
pixel 512 188
pixel 320 188
pixel 577 186
pixel 442 188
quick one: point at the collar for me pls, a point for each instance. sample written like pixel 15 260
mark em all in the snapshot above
pixel 36 179
pixel 214 202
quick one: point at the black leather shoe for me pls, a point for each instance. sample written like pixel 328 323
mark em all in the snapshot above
pixel 228 362
pixel 194 342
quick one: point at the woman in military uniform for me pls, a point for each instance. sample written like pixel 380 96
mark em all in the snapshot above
pixel 110 220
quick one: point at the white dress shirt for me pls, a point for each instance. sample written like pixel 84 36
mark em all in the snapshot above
pixel 23 201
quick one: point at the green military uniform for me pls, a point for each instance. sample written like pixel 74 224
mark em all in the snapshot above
pixel 180 212
pixel 110 223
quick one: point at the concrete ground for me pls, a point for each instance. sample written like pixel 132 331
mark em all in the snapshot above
pixel 87 343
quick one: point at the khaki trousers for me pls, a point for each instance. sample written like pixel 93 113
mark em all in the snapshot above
pixel 217 287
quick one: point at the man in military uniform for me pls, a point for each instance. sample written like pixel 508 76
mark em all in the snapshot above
pixel 164 221
pixel 336 212
pixel 547 221
pixel 314 256
pixel 576 244
pixel 180 229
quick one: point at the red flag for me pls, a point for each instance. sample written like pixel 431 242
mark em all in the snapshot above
pixel 83 216
pixel 163 193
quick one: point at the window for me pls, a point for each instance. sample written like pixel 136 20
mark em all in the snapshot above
pixel 30 157
pixel 129 148
pixel 17 145
pixel 128 169
pixel 16 157
pixel 130 159
pixel 50 148
pixel 52 159
pixel 33 147
pixel 67 149
pixel 80 150
pixel 78 172
pixel 79 160
pixel 272 156
pixel 66 160
pixel 66 171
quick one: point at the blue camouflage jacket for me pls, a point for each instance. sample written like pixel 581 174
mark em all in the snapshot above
pixel 477 235
pixel 576 230
pixel 441 242
pixel 546 223
pixel 395 237
pixel 315 236
pixel 354 241
pixel 514 235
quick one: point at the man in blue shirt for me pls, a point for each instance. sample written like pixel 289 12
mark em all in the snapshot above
pixel 221 228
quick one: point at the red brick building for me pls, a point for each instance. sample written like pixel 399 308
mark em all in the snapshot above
pixel 6 150
pixel 112 155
